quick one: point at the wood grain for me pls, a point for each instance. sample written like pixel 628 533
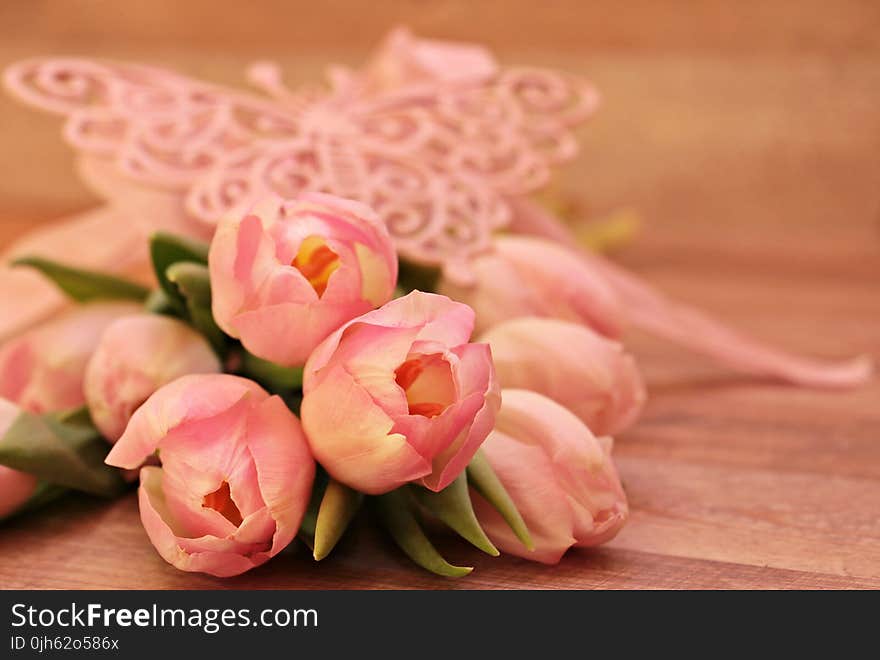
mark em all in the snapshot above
pixel 748 138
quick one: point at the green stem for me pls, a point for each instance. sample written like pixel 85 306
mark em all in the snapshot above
pixel 395 512
pixel 452 505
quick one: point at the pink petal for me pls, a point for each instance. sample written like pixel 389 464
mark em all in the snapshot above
pixel 371 354
pixel 136 355
pixel 184 488
pixel 284 465
pixel 527 475
pixel 379 274
pixel 211 548
pixel 436 317
pixel 581 466
pixel 479 402
pixel 436 436
pixel 351 437
pixel 187 399
pixel 561 286
pixel 258 527
pixel 240 258
pixel 43 369
pixel 287 286
pixel 573 365
pixel 154 514
pixel 287 333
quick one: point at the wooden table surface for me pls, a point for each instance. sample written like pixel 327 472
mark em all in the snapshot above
pixel 747 138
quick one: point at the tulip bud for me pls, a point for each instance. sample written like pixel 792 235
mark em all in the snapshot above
pixel 524 276
pixel 236 474
pixel 16 488
pixel 590 375
pixel 289 273
pixel 137 355
pixel 559 475
pixel 42 370
pixel 399 395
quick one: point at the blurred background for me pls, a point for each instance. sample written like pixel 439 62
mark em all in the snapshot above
pixel 745 135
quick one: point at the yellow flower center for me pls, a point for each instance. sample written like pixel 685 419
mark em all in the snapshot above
pixel 317 262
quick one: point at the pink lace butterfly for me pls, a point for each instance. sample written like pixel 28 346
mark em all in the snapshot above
pixel 432 135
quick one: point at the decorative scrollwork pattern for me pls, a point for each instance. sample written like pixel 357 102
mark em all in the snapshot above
pixel 437 166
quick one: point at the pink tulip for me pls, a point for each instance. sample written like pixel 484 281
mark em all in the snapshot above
pixel 559 475
pixel 531 277
pixel 16 487
pixel 236 473
pixel 135 357
pixel 42 369
pixel 590 375
pixel 399 395
pixel 289 273
pixel 527 276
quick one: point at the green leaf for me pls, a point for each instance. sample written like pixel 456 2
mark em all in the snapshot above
pixel 338 507
pixel 193 285
pixel 395 512
pixel 63 450
pixel 452 505
pixel 85 285
pixel 483 479
pixel 169 249
pixel 273 377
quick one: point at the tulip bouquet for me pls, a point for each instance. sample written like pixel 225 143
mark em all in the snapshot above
pixel 278 379
pixel 305 346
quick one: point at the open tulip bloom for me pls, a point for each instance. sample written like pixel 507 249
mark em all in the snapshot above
pixel 399 395
pixel 235 478
pixel 316 356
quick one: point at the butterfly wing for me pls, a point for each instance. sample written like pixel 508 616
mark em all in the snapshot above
pixel 473 148
pixel 509 131
pixel 159 128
